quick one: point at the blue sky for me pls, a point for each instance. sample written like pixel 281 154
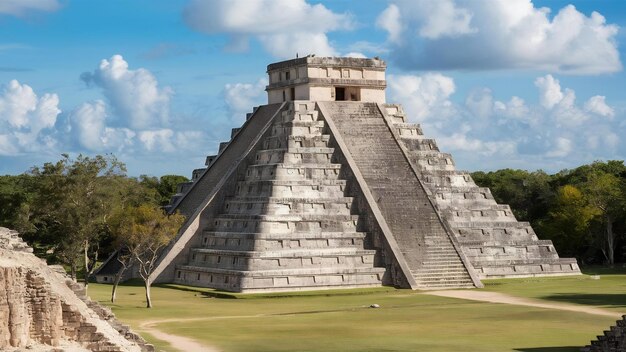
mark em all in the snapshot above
pixel 499 83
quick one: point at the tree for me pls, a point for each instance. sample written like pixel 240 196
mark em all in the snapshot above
pixel 15 195
pixel 165 186
pixel 125 258
pixel 147 231
pixel 73 203
pixel 131 193
pixel 568 221
pixel 605 194
pixel 528 193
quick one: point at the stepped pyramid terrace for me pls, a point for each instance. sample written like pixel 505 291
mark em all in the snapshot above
pixel 328 186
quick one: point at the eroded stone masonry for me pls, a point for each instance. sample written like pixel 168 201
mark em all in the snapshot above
pixel 328 186
pixel 40 310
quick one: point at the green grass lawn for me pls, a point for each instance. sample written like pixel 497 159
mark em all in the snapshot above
pixel 600 287
pixel 407 320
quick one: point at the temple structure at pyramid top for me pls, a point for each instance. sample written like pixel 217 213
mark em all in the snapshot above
pixel 328 186
pixel 327 79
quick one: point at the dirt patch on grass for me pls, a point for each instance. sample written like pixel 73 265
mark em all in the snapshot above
pixel 180 343
pixel 496 297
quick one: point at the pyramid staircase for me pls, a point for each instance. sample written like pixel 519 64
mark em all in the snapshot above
pixel 494 241
pixel 425 244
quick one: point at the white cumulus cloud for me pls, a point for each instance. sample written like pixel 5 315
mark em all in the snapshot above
pixel 24 117
pixel 562 147
pixel 240 98
pixel 562 103
pixel 421 95
pixel 390 21
pixel 134 118
pixel 511 34
pixel 89 126
pixel 134 95
pixel 550 92
pixel 168 140
pixel 284 27
pixel 597 105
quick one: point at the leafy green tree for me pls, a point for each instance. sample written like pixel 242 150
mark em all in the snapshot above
pixel 528 193
pixel 568 221
pixel 605 193
pixel 73 203
pixel 130 193
pixel 146 230
pixel 165 186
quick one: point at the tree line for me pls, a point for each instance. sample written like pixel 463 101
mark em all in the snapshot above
pixel 76 212
pixel 582 210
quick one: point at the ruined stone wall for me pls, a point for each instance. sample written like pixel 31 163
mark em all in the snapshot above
pixel 38 308
pixel 28 311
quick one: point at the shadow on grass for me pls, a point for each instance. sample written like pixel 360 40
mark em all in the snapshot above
pixel 592 299
pixel 214 293
pixel 617 269
pixel 550 349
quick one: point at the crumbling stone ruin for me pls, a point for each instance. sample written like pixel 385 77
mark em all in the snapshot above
pixel 612 340
pixel 328 186
pixel 41 311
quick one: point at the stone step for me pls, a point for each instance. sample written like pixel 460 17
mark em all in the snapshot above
pixel 311 205
pixel 489 224
pixel 278 241
pixel 288 253
pixel 294 156
pixel 428 267
pixel 437 252
pixel 441 279
pixel 287 217
pixel 442 262
pixel 284 271
pixel 306 182
pixel 281 200
pixel 431 273
pixel 444 280
pixel 445 286
pixel 291 141
pixel 437 249
pixel 443 256
pixel 281 236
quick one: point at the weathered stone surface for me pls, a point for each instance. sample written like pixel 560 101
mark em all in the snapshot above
pixel 38 308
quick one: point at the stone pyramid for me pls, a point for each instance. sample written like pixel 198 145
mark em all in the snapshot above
pixel 327 186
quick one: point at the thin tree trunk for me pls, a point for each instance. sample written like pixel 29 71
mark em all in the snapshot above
pixel 73 271
pixel 610 240
pixel 148 299
pixel 116 282
pixel 86 256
